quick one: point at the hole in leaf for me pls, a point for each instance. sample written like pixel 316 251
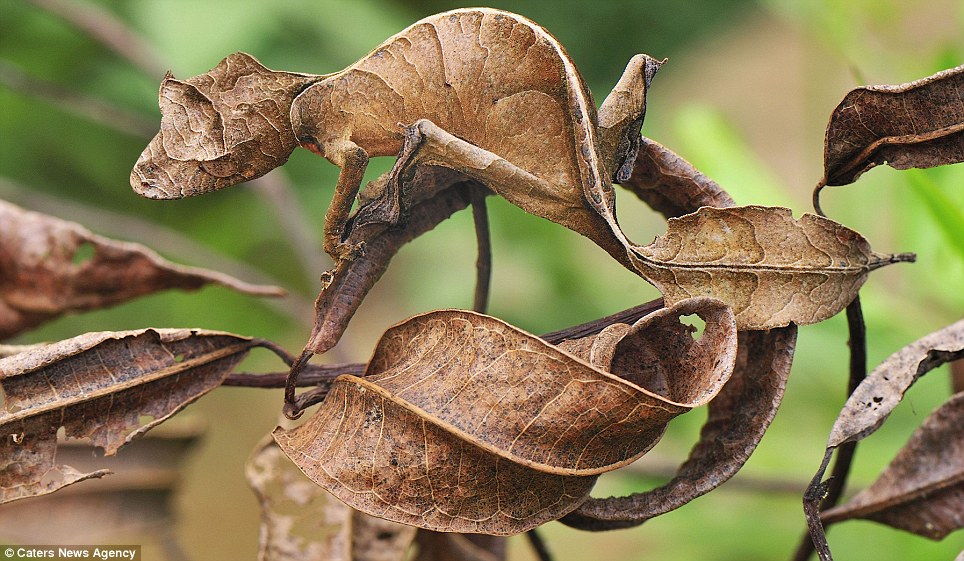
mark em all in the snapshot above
pixel 84 253
pixel 179 358
pixel 145 419
pixel 52 478
pixel 696 325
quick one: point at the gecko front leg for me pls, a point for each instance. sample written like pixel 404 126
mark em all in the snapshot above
pixel 353 161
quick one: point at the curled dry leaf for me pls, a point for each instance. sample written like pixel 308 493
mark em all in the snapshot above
pixel 922 490
pixel 671 185
pixel 345 287
pixel 49 267
pixel 300 521
pixel 742 411
pixel 98 386
pixel 879 393
pixel 738 417
pixel 464 423
pixel 772 269
pixel 914 125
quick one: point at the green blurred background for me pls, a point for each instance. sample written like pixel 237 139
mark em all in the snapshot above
pixel 745 97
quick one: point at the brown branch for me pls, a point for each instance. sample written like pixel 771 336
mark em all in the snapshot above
pixel 833 489
pixel 593 327
pixel 312 375
pixel 538 545
pixel 483 264
pixel 323 375
pixel 812 498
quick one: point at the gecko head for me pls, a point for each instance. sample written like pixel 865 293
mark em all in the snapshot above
pixel 220 128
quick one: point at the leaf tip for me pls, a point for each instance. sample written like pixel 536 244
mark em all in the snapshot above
pixel 882 260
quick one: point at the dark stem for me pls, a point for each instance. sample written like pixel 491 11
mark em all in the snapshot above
pixel 834 487
pixel 812 498
pixel 306 375
pixel 483 263
pixel 593 327
pixel 538 545
pixel 291 409
pixel 957 376
pixel 312 375
pixel 816 197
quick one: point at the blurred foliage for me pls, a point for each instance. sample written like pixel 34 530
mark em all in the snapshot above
pixel 746 97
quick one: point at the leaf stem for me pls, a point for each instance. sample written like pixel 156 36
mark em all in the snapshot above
pixel 834 487
pixel 816 197
pixel 483 264
pixel 538 545
pixel 812 498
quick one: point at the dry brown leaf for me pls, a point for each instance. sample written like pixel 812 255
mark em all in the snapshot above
pixel 300 521
pixel 670 185
pixel 738 417
pixel 772 269
pixel 742 411
pixel 345 287
pixel 875 397
pixel 464 423
pixel 915 125
pixel 922 490
pixel 100 386
pixel 49 267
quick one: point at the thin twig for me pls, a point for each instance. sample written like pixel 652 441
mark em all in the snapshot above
pixel 313 375
pixel 593 327
pixel 812 498
pixel 957 376
pixel 483 263
pixel 107 29
pixel 538 545
pixel 833 489
pixel 69 101
pixel 816 197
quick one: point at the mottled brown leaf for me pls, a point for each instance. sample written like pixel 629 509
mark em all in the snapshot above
pixel 345 287
pixel 915 125
pixel 875 397
pixel 922 490
pixel 300 521
pixel 464 423
pixel 670 185
pixel 100 386
pixel 738 417
pixel 772 269
pixel 49 267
